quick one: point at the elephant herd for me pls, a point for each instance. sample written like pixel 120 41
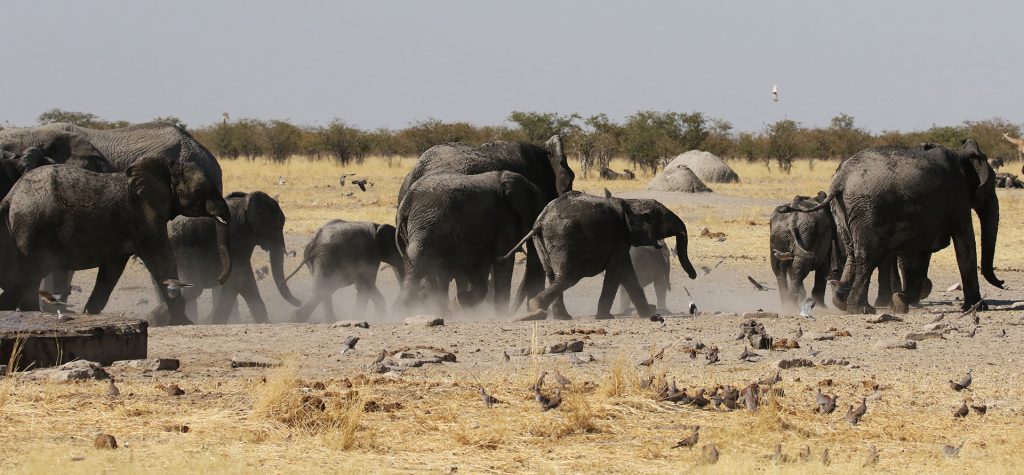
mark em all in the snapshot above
pixel 76 198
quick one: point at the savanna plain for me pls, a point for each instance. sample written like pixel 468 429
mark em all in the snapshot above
pixel 323 411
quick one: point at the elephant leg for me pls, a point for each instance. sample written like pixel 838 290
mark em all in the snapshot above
pixel 608 288
pixel 864 265
pixel 781 271
pixel 538 305
pixel 362 298
pixel 624 307
pixel 888 281
pixel 533 277
pixel 251 293
pixel 321 291
pixel 967 261
pixel 192 302
pixel 224 300
pixel 623 267
pixel 380 304
pixel 798 271
pixel 661 293
pixel 106 280
pixel 155 252
pixel 502 285
pixel 820 285
pixel 441 290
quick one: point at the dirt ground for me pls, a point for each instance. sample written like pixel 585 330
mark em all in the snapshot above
pixel 431 418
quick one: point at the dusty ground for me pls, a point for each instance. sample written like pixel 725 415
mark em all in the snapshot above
pixel 242 420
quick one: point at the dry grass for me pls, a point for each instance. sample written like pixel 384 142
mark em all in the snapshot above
pixel 432 422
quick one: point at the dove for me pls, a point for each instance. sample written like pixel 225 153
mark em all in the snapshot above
pixel 980 410
pixel 546 403
pixel 973 311
pixel 361 183
pixel 805 454
pixel 380 357
pixel 281 180
pixel 824 457
pixel 811 351
pixel 775 378
pixel 775 93
pixel 173 287
pixel 693 309
pixel 54 300
pixel 952 452
pixel 658 318
pixel 699 400
pixel 799 331
pixel 750 397
pixel 690 441
pixel 693 354
pixel 872 457
pixel 853 416
pixel 540 381
pixel 575 360
pixel 505 356
pixel 712 356
pixel 112 390
pixel 341 180
pixel 963 384
pixel 962 411
pixel 759 287
pixel 781 255
pixel 350 344
pixel 938 318
pixel 487 398
pixel 677 396
pixel 805 308
pixel 826 404
pixel 747 354
pixel 646 382
pixel 710 454
pixel 562 380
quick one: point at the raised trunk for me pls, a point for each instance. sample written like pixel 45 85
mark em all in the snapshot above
pixel 277 271
pixel 989 230
pixel 684 260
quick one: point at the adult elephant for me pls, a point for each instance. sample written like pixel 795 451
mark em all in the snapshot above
pixel 456 227
pixel 183 156
pixel 256 220
pixel 59 145
pixel 580 235
pixel 899 201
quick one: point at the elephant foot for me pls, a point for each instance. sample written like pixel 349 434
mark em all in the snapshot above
pixel 179 322
pixel 839 302
pixel 604 316
pixel 899 304
pixel 626 311
pixel 884 301
pixel 539 314
pixel 650 311
pixel 864 309
pixel 982 306
pixel 926 289
pixel 663 311
pixel 561 316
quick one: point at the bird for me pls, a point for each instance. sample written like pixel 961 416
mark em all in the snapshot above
pixel 805 308
pixel 380 357
pixel 853 416
pixel 938 318
pixel 361 183
pixel 712 355
pixel 657 318
pixel 690 440
pixel 872 457
pixel 980 409
pixel 974 331
pixel 540 381
pixel 547 403
pixel 747 354
pixel 750 397
pixel 693 353
pixel 1002 333
pixel 710 454
pixel 174 390
pixel 174 286
pixel 341 180
pixel 707 270
pixel 826 403
pixel 775 93
pixel 963 384
pixel 699 400
pixel 973 311
pixel 805 454
pixel 562 380
pixel 487 398
pixel 646 382
pixel 693 309
pixel 350 344
pixel 505 356
pixel 281 180
pixel 262 272
pixel 952 452
pixel 759 287
pixel 647 362
pixel 54 300
pixel 962 411
pixel 575 360
pixel 799 331
pixel 775 378
pixel 824 457
pixel 112 390
pixel 811 351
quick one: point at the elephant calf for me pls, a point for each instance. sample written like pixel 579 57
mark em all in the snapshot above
pixel 344 253
pixel 580 235
pixel 256 220
pixel 652 266
pixel 801 243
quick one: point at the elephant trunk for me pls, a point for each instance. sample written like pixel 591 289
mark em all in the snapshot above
pixel 684 260
pixel 219 211
pixel 277 271
pixel 989 230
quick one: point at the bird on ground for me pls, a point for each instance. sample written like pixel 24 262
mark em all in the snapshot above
pixel 758 286
pixel 973 311
pixel 750 397
pixel 824 457
pixel 693 353
pixel 575 360
pixel 782 255
pixel 112 390
pixel 853 416
pixel 980 409
pixel 712 355
pixel 487 398
pixel 964 383
pixel 962 411
pixel 281 180
pixel 775 378
pixel 747 354
pixel 799 331
pixel 974 331
pixel 174 286
pixel 546 403
pixel 540 381
pixel 646 382
pixel 811 351
pixel 361 183
pixel 775 93
pixel 658 318
pixel 699 400
pixel 262 272
pixel 693 306
pixel 690 440
pixel 562 380
pixel 952 452
pixel 380 357
pixel 872 457
pixel 938 318
pixel 350 344
pixel 505 356
pixel 707 270
pixel 805 308
pixel 710 454
pixel 826 403
pixel 1002 333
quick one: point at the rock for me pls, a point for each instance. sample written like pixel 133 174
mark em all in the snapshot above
pixel 556 348
pixel 896 344
pixel 253 361
pixel 707 166
pixel 678 179
pixel 574 346
pixel 519 351
pixel 78 370
pixel 918 336
pixel 885 317
pixel 760 314
pixel 350 323
pixel 794 363
pixel 935 327
pixel 834 362
pixel 785 344
pixel 151 364
pixel 424 320
pixel 44 342
pixel 174 390
pixel 105 441
pixel 815 336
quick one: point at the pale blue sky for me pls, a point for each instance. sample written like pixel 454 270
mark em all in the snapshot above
pixel 893 65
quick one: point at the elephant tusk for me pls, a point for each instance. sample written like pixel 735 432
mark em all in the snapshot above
pixel 221 220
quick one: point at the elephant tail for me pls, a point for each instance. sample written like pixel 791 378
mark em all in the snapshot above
pixel 798 248
pixel 518 246
pixel 296 271
pixel 790 208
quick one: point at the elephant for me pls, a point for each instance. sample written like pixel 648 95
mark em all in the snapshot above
pixel 910 201
pixel 11 169
pixel 197 169
pixel 545 166
pixel 801 243
pixel 893 272
pixel 652 266
pixel 455 227
pixel 579 235
pixel 61 218
pixel 256 220
pixel 344 253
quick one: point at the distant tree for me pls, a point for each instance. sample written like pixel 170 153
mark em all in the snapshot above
pixel 783 144
pixel 281 139
pixel 989 134
pixel 719 139
pixel 651 137
pixel 173 121
pixel 538 127
pixel 82 119
pixel 420 136
pixel 845 139
pixel 949 136
pixel 343 142
pixel 596 145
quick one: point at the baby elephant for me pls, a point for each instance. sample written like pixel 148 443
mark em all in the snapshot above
pixel 256 220
pixel 652 266
pixel 344 253
pixel 800 243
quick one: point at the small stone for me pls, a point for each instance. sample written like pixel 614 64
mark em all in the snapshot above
pixel 752 315
pixel 175 390
pixel 919 336
pixel 794 363
pixel 77 370
pixel 574 346
pixel 557 348
pixel 424 320
pixel 834 362
pixel 105 441
pixel 897 344
pixel 151 364
pixel 885 317
pixel 351 323
pixel 253 361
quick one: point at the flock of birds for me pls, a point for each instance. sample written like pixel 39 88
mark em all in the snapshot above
pixel 362 183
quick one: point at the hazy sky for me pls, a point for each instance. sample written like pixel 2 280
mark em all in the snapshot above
pixel 893 65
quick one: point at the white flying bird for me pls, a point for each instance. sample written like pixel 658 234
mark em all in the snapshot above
pixel 775 93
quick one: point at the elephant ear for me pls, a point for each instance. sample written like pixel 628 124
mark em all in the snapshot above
pixel 978 160
pixel 559 165
pixel 522 196
pixel 150 179
pixel 33 158
pixel 384 236
pixel 636 229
